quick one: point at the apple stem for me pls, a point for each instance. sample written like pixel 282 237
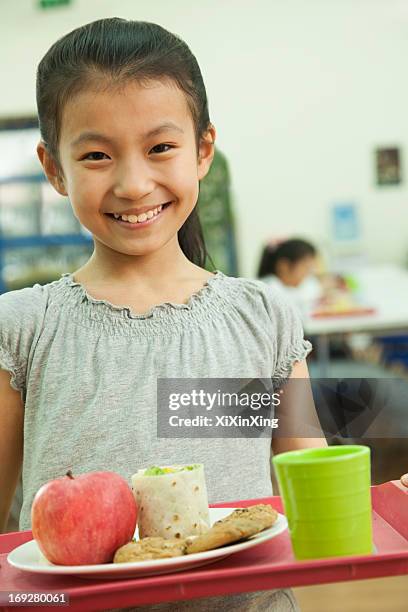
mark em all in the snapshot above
pixel 69 474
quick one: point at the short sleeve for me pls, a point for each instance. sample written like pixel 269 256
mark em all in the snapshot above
pixel 287 329
pixel 21 317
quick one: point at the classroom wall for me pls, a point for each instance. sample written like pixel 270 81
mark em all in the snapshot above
pixel 300 91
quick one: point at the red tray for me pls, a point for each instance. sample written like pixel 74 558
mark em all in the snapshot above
pixel 350 312
pixel 268 566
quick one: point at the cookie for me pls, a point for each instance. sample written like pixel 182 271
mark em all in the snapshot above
pixel 222 534
pixel 150 548
pixel 263 514
pixel 239 525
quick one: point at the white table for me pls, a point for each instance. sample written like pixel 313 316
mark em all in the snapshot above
pixel 383 287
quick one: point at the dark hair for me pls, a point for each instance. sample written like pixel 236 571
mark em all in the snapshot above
pixel 120 50
pixel 293 250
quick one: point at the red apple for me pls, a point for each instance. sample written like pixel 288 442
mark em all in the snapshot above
pixel 84 519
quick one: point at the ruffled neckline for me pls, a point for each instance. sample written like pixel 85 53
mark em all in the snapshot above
pixel 197 298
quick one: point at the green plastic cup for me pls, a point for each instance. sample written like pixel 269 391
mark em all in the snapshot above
pixel 327 500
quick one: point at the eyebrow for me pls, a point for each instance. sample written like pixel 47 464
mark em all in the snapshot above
pixel 97 136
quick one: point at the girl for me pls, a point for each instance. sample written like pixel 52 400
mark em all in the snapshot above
pixel 290 261
pixel 288 267
pixel 126 134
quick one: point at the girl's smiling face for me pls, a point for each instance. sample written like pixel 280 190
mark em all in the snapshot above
pixel 128 151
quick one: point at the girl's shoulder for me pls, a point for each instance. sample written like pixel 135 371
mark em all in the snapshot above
pixel 267 307
pixel 25 307
pixel 22 313
pixel 258 296
pixel 24 301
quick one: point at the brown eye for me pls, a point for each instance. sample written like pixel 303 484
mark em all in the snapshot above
pixel 95 156
pixel 162 145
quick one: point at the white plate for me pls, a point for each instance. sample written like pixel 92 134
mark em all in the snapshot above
pixel 28 556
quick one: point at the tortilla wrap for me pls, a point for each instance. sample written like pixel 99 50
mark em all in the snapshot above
pixel 172 505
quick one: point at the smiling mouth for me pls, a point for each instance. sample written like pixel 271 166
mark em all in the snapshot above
pixel 135 218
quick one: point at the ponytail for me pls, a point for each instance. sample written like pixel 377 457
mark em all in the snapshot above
pixel 191 240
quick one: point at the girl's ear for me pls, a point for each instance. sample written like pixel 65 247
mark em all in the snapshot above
pixel 51 169
pixel 206 152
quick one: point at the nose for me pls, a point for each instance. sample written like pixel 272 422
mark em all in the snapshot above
pixel 133 180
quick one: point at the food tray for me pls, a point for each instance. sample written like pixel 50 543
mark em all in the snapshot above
pixel 270 565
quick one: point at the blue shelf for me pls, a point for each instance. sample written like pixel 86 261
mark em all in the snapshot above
pixel 38 241
pixel 50 240
pixel 24 178
pixel 34 240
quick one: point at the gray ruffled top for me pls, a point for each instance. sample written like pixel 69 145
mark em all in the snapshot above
pixel 87 371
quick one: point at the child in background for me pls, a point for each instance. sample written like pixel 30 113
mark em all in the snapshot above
pixel 288 266
pixel 126 134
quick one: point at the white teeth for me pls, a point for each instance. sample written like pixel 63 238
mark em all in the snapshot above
pixel 139 218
